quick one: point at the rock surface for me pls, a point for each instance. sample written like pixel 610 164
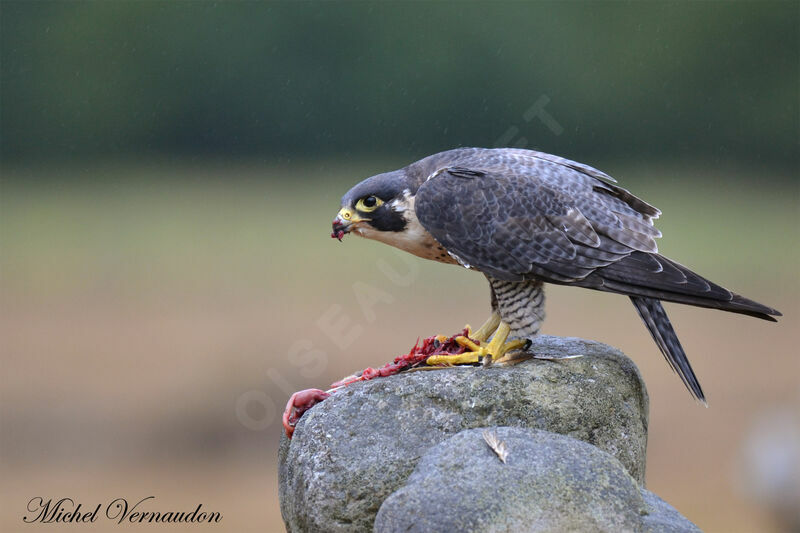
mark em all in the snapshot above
pixel 350 452
pixel 661 517
pixel 548 483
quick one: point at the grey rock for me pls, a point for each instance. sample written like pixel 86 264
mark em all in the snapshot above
pixel 548 483
pixel 661 517
pixel 350 452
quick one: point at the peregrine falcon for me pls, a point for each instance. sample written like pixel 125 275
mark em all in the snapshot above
pixel 524 218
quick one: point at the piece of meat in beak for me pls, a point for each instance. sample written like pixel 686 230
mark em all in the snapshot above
pixel 343 222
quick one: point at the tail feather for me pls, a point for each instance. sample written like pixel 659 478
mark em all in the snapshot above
pixel 657 322
pixel 655 276
pixel 737 304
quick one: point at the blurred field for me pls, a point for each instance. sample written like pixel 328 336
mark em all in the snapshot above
pixel 139 302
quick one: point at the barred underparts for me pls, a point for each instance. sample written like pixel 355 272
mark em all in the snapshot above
pixel 520 304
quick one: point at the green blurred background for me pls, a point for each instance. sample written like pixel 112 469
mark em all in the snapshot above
pixel 170 170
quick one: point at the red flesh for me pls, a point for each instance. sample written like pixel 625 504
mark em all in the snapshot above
pixel 302 401
pixel 299 403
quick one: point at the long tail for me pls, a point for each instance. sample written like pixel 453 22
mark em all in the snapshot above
pixel 655 276
pixel 657 322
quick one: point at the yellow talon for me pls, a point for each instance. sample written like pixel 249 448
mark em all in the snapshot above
pixel 492 352
pixel 467 343
pixel 466 358
pixel 508 348
pixel 486 330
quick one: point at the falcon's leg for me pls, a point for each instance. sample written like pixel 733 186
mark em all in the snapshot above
pixel 520 307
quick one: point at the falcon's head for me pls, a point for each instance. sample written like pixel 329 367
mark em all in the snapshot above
pixel 382 208
pixel 375 208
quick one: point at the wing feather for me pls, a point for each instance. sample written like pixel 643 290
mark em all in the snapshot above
pixel 484 215
pixel 531 218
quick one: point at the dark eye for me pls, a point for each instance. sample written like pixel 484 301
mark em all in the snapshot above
pixel 370 201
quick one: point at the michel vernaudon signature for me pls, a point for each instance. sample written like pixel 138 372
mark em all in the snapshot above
pixel 66 511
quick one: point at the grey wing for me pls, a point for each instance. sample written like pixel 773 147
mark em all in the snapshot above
pixel 561 225
pixel 513 225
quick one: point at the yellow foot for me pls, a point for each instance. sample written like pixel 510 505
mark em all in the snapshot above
pixel 466 358
pixel 482 334
pixel 490 353
pixel 485 331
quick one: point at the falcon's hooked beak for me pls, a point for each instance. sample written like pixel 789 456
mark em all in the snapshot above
pixel 344 222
